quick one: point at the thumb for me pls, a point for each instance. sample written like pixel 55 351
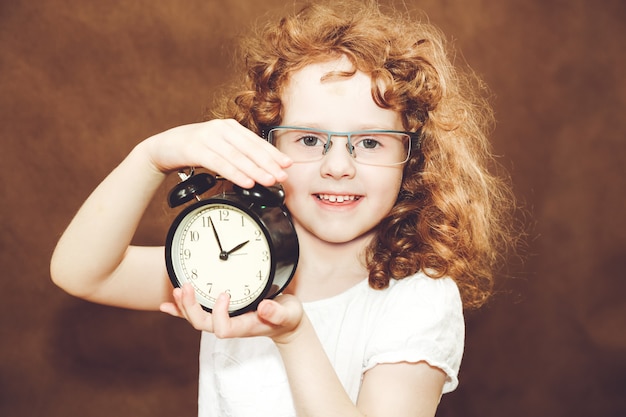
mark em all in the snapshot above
pixel 272 312
pixel 284 311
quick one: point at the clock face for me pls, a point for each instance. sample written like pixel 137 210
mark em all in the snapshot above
pixel 220 248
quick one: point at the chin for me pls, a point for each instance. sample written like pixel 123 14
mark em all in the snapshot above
pixel 335 236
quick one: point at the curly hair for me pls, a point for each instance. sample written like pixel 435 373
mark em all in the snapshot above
pixel 451 215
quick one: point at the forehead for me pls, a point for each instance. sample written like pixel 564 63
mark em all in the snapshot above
pixel 332 94
pixel 328 78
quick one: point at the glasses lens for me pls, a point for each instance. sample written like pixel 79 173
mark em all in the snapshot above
pixel 300 145
pixel 381 148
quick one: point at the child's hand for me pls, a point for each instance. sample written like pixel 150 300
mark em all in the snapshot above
pixel 278 319
pixel 221 146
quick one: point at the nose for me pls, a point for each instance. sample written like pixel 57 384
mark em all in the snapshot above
pixel 338 162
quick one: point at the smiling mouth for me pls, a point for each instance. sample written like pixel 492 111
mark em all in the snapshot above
pixel 332 198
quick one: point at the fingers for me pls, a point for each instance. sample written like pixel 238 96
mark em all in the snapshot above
pixel 245 325
pixel 171 309
pixel 223 326
pixel 277 319
pixel 192 310
pixel 222 146
pixel 185 306
pixel 244 158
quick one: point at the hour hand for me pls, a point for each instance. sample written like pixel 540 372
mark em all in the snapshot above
pixel 236 248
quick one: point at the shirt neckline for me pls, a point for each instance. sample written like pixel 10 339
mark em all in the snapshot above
pixel 335 298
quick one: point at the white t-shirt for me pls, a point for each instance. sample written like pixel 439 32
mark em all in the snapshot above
pixel 414 319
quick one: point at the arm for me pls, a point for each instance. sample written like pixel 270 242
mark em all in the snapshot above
pixel 401 389
pixel 94 259
pixel 388 390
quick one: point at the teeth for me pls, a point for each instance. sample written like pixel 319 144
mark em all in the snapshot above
pixel 336 198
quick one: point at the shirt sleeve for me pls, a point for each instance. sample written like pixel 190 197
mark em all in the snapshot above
pixel 420 319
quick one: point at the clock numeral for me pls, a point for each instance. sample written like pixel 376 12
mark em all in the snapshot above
pixel 246 290
pixel 257 235
pixel 260 275
pixel 206 221
pixel 187 254
pixel 194 236
pixel 209 286
pixel 194 273
pixel 224 214
pixel 265 256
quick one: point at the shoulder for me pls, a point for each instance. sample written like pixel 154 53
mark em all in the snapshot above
pixel 421 282
pixel 414 319
pixel 412 296
pixel 418 294
pixel 419 319
pixel 420 301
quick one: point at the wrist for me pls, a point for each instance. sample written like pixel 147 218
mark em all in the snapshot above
pixel 300 335
pixel 145 153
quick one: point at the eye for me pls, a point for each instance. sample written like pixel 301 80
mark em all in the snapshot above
pixel 369 142
pixel 311 140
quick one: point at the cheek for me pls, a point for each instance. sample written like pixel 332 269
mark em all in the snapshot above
pixel 297 179
pixel 386 183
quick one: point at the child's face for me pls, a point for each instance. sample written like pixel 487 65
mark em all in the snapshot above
pixel 337 199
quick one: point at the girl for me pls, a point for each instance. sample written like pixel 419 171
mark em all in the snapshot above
pixel 399 229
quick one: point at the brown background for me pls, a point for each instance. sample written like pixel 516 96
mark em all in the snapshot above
pixel 83 81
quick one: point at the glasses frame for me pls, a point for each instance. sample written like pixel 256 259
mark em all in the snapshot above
pixel 415 140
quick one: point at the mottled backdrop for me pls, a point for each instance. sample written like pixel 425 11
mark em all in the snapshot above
pixel 83 81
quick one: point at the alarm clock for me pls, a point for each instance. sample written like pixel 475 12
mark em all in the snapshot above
pixel 242 243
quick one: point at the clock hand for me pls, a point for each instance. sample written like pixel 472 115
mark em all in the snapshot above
pixel 236 248
pixel 223 253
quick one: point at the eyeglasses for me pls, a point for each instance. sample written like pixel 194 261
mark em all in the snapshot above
pixel 370 147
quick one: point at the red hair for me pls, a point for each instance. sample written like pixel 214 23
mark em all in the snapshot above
pixel 452 214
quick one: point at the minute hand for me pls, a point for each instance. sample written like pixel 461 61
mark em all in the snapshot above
pixel 223 253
